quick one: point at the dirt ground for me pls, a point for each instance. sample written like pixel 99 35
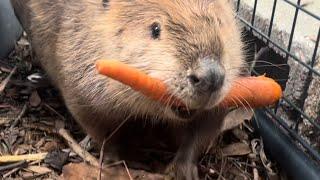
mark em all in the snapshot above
pixel 40 140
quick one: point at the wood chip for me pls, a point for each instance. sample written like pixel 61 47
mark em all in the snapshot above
pixel 236 149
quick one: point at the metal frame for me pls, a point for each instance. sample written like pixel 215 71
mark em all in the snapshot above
pixel 292 133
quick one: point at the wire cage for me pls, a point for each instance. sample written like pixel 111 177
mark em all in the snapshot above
pixel 286 35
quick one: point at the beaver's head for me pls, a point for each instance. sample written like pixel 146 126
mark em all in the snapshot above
pixel 194 46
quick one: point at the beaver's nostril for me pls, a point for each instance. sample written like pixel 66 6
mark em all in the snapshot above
pixel 194 79
pixel 208 77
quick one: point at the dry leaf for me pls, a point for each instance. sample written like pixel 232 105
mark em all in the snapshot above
pixel 257 148
pixel 39 169
pixel 4 121
pixel 22 149
pixel 240 134
pixel 236 149
pixel 39 143
pixel 56 159
pixel 236 117
pixel 50 146
pixel 74 171
pixel 59 124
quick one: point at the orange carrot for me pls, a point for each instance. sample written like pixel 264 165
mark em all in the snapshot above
pixel 137 80
pixel 253 92
pixel 246 91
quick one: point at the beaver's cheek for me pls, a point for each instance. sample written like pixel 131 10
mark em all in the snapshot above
pixel 182 89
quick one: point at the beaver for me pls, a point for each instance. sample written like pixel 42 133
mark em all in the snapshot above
pixel 194 46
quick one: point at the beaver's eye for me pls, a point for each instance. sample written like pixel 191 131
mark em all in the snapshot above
pixel 155 30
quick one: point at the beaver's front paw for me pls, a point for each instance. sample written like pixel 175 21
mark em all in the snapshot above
pixel 182 171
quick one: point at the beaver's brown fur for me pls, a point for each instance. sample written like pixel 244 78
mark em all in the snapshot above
pixel 68 36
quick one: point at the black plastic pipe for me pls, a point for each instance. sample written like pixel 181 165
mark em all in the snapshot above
pixel 283 150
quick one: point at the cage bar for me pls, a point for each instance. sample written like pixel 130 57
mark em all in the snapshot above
pixel 272 17
pixel 298 142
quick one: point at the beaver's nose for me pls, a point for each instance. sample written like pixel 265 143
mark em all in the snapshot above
pixel 208 76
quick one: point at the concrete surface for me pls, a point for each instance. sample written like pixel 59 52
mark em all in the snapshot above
pixel 307 26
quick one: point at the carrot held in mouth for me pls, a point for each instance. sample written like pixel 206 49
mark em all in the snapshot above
pixel 245 91
pixel 253 92
pixel 137 80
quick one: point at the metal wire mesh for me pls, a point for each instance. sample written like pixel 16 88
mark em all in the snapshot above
pixel 287 53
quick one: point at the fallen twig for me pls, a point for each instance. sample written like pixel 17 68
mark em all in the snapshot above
pixel 19 164
pixel 4 83
pixel 77 148
pixel 34 162
pixel 236 164
pixel 54 111
pixel 25 157
pixel 101 159
pixel 18 168
pixel 16 121
pixel 37 176
pixel 11 172
pixel 103 145
pixel 8 106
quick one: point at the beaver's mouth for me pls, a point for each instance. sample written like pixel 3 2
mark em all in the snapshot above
pixel 183 112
